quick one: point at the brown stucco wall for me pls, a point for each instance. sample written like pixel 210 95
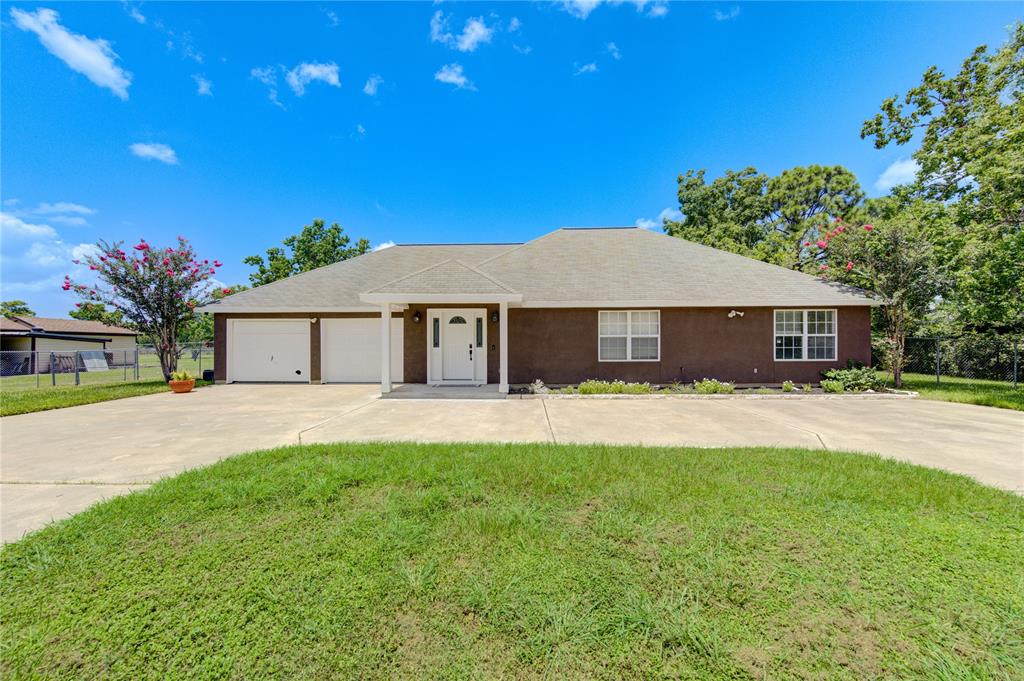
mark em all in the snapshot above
pixel 560 346
pixel 220 326
pixel 416 341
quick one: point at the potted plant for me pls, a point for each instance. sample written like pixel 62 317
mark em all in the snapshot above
pixel 182 381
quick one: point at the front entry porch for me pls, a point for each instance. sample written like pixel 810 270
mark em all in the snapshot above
pixel 421 391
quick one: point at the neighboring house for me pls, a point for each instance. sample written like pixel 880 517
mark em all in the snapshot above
pixel 27 342
pixel 607 303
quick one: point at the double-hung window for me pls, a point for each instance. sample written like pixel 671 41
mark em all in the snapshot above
pixel 805 335
pixel 629 336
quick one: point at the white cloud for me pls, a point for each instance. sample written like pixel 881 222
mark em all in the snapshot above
pixel 35 259
pixel 514 24
pixel 475 33
pixel 62 207
pixel 586 68
pixel 728 15
pixel 522 50
pixel 134 13
pixel 666 214
pixel 70 220
pixel 155 151
pixel 203 86
pixel 92 58
pixel 12 227
pixel 360 130
pixel 581 9
pixel 384 244
pixel 332 18
pixel 372 85
pixel 307 72
pixel 658 9
pixel 613 50
pixel 902 171
pixel 268 76
pixel 453 75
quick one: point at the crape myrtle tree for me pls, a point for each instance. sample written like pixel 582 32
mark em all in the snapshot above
pixel 155 289
pixel 896 260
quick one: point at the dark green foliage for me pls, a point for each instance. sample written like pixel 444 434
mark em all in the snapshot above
pixel 854 379
pixel 98 312
pixel 15 308
pixel 315 246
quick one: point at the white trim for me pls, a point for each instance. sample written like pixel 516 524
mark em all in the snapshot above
pixel 385 349
pixel 643 304
pixel 406 298
pixel 469 313
pixel 218 309
pixel 628 337
pixel 804 334
pixel 503 347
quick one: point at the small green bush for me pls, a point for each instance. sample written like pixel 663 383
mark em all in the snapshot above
pixel 182 376
pixel 807 388
pixel 595 387
pixel 711 386
pixel 787 386
pixel 831 386
pixel 855 379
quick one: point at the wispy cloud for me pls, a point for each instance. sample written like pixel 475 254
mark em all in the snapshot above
pixel 514 24
pixel 133 12
pixel 586 68
pixel 727 15
pixel 62 207
pixel 373 84
pixel 360 130
pixel 452 74
pixel 203 86
pixel 307 72
pixel 902 171
pixel 70 220
pixel 268 76
pixel 332 18
pixel 613 50
pixel 581 9
pixel 384 244
pixel 475 32
pixel 155 151
pixel 35 259
pixel 12 227
pixel 657 223
pixel 93 58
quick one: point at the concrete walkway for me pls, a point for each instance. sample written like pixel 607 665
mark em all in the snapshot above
pixel 59 462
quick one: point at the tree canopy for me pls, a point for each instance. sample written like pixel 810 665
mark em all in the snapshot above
pixel 15 308
pixel 315 246
pixel 98 312
pixel 774 219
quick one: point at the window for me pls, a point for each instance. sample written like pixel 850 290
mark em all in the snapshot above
pixel 805 335
pixel 629 335
pixel 479 332
pixel 457 319
pixel 437 332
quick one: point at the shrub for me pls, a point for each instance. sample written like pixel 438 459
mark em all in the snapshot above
pixel 181 376
pixel 807 388
pixel 711 386
pixel 595 387
pixel 832 386
pixel 787 386
pixel 854 379
pixel 538 388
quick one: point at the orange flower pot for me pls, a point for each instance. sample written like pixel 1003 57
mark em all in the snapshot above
pixel 182 386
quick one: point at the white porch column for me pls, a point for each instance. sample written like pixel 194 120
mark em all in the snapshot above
pixel 503 345
pixel 385 348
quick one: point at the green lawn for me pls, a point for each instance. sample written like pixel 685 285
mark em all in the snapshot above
pixel 149 370
pixel 26 401
pixel 986 393
pixel 487 561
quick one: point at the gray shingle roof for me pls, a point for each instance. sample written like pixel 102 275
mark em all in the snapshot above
pixel 568 267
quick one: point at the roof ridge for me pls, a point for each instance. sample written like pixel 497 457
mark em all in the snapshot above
pixel 486 276
pixel 435 266
pixel 522 245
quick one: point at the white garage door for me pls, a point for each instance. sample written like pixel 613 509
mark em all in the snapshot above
pixel 269 350
pixel 350 350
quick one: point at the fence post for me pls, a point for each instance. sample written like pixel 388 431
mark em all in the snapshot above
pixel 35 366
pixel 78 380
pixel 200 361
pixel 938 359
pixel 1015 363
pixel 136 362
pixel 53 369
pixel 124 364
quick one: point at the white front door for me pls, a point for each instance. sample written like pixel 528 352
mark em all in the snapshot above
pixel 457 346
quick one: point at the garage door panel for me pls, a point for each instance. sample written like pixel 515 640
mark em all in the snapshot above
pixel 269 350
pixel 350 350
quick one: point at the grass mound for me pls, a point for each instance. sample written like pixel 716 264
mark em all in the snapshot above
pixel 436 561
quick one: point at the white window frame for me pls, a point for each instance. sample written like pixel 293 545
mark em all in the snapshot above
pixel 804 335
pixel 628 336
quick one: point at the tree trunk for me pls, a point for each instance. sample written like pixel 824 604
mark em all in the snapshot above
pixel 167 351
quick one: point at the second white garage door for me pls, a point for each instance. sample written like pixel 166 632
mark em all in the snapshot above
pixel 350 350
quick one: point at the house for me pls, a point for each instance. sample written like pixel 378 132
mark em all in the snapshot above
pixel 27 342
pixel 575 304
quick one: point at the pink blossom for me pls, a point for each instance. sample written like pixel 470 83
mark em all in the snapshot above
pixel 807 243
pixel 93 267
pixel 170 273
pixel 141 246
pixel 217 263
pixel 213 271
pixel 849 266
pixel 839 219
pixel 869 227
pixel 225 291
pixel 167 261
pixel 823 267
pixel 66 286
pixel 822 243
pixel 78 305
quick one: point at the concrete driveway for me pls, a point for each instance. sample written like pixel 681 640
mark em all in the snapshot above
pixel 60 462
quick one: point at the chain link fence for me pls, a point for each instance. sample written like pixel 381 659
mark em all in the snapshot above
pixel 976 358
pixel 25 370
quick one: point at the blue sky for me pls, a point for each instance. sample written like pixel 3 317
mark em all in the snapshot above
pixel 235 124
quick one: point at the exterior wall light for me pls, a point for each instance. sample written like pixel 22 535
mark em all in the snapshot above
pixel 313 320
pixel 416 317
pixel 735 313
pixel 494 317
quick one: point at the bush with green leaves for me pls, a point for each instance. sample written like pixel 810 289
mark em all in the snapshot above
pixel 787 386
pixel 831 386
pixel 712 386
pixel 807 388
pixel 596 387
pixel 182 376
pixel 855 379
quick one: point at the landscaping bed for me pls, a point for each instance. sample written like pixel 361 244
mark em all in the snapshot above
pixel 488 561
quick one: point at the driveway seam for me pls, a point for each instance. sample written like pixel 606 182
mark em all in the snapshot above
pixel 785 423
pixel 344 413
pixel 547 419
pixel 74 482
